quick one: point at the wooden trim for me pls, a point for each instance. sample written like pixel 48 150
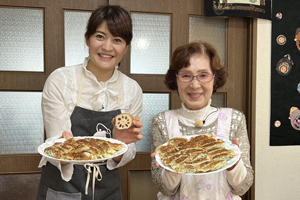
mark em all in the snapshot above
pixel 19 163
pixel 252 96
pixel 236 62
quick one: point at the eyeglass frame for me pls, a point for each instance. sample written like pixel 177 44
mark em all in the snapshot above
pixel 212 76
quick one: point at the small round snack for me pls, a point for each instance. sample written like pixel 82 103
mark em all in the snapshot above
pixel 123 121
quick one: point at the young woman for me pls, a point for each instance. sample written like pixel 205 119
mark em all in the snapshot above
pixel 196 73
pixel 83 100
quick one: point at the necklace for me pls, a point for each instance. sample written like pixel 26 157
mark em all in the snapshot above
pixel 200 122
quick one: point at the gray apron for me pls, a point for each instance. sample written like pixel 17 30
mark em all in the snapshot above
pixel 53 187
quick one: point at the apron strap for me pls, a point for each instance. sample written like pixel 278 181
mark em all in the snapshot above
pixel 172 123
pixel 81 85
pixel 117 82
pixel 224 122
pixel 96 174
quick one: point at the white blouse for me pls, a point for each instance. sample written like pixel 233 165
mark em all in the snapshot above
pixel 60 98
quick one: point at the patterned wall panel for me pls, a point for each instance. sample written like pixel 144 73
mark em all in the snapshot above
pixel 150 47
pixel 75 28
pixel 21 123
pixel 209 30
pixel 152 105
pixel 21 39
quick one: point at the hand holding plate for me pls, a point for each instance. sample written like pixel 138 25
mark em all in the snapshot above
pixel 236 142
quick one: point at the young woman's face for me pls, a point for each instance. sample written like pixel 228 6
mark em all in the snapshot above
pixel 105 50
pixel 194 94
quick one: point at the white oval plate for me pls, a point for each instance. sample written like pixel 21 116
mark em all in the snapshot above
pixel 42 147
pixel 228 145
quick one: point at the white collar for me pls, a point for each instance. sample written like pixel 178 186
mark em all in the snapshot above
pixel 189 117
pixel 113 78
pixel 194 114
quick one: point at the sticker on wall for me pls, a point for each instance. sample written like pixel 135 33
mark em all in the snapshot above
pixel 277 123
pixel 279 16
pixel 281 39
pixel 284 65
pixel 295 118
pixel 298 87
pixel 297 38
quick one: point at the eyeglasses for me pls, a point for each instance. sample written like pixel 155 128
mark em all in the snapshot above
pixel 203 78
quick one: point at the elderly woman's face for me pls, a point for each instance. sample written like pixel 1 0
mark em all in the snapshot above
pixel 195 94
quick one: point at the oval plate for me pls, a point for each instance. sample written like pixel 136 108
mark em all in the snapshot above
pixel 42 147
pixel 228 145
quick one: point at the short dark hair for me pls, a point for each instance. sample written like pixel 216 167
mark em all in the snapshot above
pixel 118 21
pixel 181 59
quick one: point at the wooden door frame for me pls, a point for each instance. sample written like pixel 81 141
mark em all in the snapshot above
pixel 251 96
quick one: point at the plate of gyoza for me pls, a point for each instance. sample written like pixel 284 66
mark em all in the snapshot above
pixel 198 154
pixel 82 149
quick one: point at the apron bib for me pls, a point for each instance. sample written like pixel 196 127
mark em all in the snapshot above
pixel 84 122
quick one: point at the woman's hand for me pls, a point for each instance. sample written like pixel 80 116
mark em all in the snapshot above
pixel 157 165
pixel 132 134
pixel 67 135
pixel 234 141
pixel 153 156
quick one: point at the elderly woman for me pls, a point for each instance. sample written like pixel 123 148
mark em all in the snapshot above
pixel 196 73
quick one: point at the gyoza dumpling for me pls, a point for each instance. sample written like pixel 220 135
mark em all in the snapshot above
pixel 187 169
pixel 223 156
pixel 212 145
pixel 215 165
pixel 165 149
pixel 178 162
pixel 177 140
pixel 201 137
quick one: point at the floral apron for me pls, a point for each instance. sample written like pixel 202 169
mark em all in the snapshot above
pixel 213 186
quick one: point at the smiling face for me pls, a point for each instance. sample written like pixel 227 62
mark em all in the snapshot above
pixel 105 51
pixel 196 95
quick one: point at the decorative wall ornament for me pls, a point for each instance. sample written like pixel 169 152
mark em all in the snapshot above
pixel 239 8
pixel 284 65
pixel 295 118
pixel 297 38
pixel 281 39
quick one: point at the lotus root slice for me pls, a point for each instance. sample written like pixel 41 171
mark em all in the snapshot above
pixel 123 121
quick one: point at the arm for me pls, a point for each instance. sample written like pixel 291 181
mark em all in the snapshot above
pixel 55 115
pixel 166 182
pixel 131 135
pixel 56 118
pixel 240 177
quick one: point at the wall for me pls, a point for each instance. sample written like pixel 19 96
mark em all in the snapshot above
pixel 277 171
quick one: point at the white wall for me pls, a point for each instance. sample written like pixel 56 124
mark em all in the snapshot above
pixel 277 168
